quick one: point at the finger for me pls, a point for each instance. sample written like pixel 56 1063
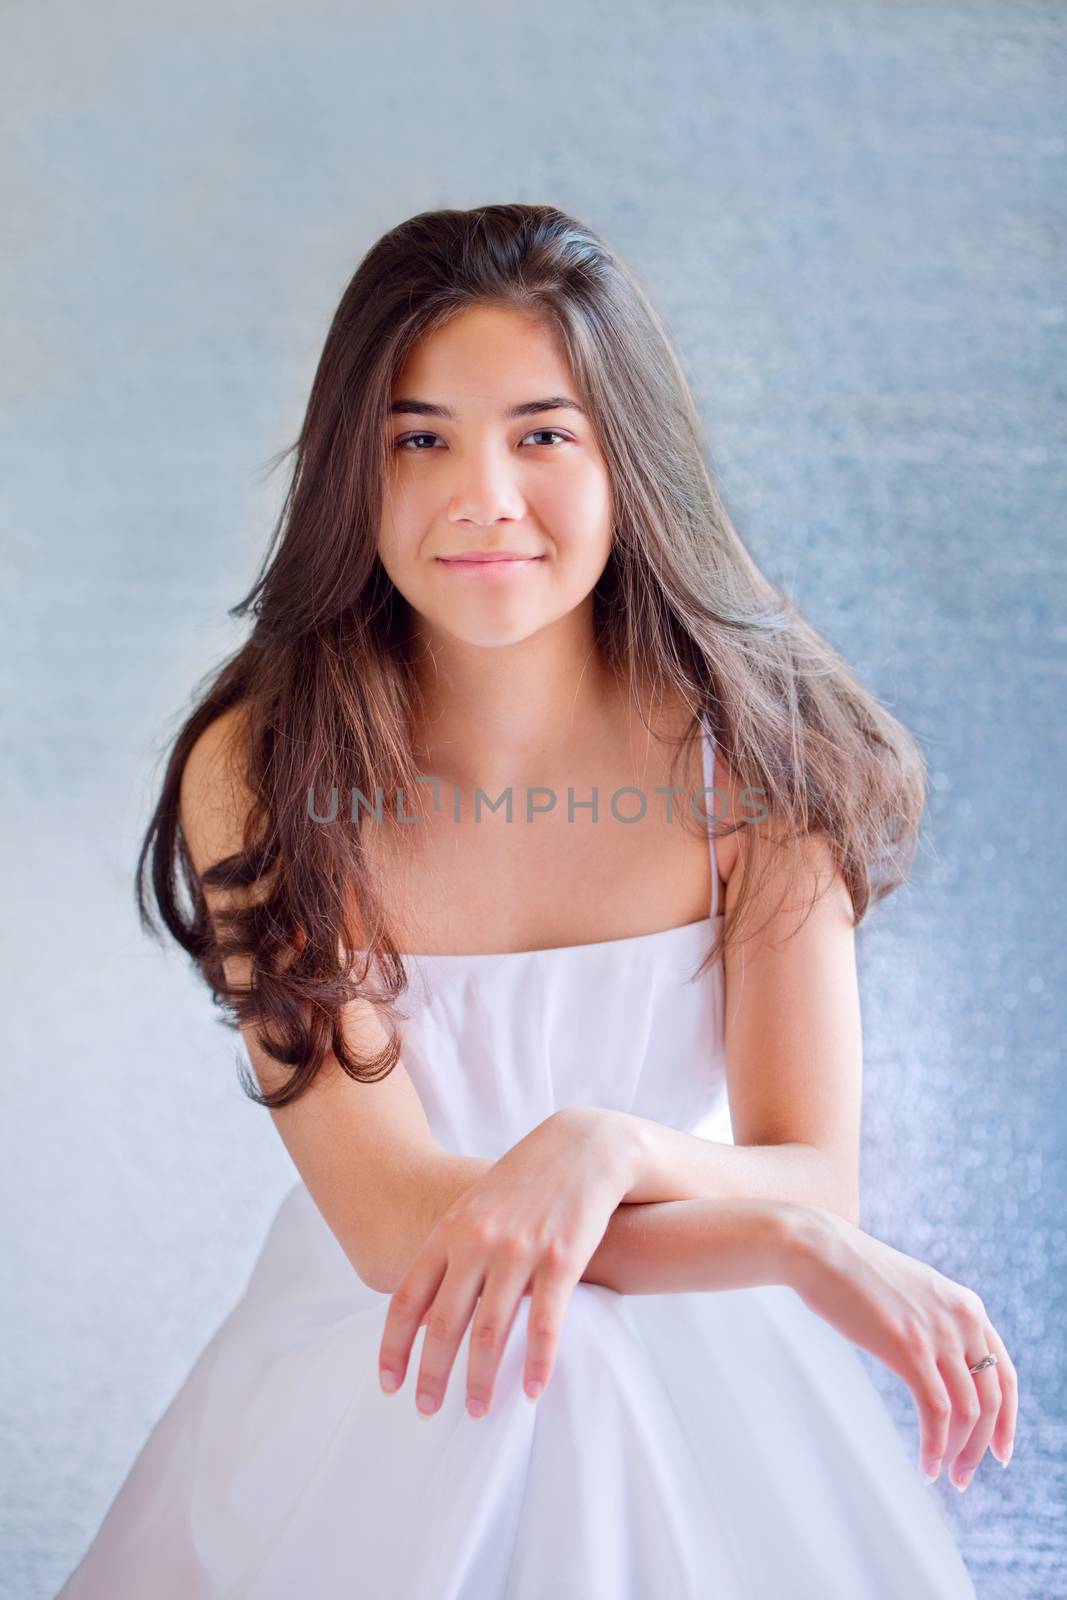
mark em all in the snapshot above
pixel 553 1286
pixel 935 1413
pixel 987 1387
pixel 493 1321
pixel 1004 1432
pixel 452 1309
pixel 963 1390
pixel 408 1308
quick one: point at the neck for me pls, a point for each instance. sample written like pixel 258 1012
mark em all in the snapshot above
pixel 518 713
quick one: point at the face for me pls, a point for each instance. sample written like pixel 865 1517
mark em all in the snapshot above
pixel 481 480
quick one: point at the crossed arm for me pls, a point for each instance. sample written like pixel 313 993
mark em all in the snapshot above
pixel 700 1214
pixel 755 1228
pixel 794 1054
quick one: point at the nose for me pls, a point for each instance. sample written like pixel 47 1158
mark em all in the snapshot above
pixel 485 490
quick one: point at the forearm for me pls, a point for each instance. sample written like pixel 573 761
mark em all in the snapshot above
pixel 661 1247
pixel 682 1242
pixel 664 1163
pixel 681 1246
pixel 407 1217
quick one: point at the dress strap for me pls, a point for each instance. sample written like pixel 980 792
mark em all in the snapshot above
pixel 709 806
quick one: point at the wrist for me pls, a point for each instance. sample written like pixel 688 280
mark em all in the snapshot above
pixel 629 1147
pixel 805 1234
pixel 616 1140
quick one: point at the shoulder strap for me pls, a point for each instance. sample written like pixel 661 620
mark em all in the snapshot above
pixel 709 806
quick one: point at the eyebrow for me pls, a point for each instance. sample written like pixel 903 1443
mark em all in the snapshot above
pixel 529 408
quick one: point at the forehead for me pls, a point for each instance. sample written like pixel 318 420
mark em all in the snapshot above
pixel 482 353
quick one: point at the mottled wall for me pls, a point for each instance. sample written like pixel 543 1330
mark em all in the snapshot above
pixel 852 218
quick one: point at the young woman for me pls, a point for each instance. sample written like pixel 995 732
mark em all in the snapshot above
pixel 443 824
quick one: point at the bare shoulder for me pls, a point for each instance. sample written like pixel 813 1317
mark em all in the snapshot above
pixel 733 803
pixel 214 796
pixel 736 801
pixel 215 802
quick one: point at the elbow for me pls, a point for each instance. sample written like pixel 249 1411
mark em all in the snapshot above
pixel 378 1271
pixel 368 1271
pixel 381 1283
pixel 377 1277
pixel 370 1261
pixel 386 1246
pixel 386 1258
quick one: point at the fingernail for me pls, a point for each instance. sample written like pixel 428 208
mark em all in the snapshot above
pixel 930 1477
pixel 426 1404
pixel 389 1380
pixel 476 1408
pixel 962 1483
pixel 532 1390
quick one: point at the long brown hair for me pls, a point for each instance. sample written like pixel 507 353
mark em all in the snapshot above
pixel 324 685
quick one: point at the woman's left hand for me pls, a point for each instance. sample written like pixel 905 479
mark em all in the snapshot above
pixel 531 1222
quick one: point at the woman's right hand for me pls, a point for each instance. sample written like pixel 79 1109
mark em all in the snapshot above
pixel 925 1327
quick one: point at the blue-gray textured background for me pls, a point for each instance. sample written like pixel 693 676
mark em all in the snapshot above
pixel 852 218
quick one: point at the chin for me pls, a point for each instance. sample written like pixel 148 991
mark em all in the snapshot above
pixel 489 633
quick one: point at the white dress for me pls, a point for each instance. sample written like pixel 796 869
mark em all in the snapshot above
pixel 701 1446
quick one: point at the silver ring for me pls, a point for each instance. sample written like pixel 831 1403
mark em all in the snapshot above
pixel 987 1361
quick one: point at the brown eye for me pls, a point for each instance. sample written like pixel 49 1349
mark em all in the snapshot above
pixel 553 431
pixel 407 437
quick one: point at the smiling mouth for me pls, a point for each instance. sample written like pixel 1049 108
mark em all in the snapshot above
pixel 480 563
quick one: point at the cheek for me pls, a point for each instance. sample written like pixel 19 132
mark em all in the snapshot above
pixel 576 509
pixel 400 529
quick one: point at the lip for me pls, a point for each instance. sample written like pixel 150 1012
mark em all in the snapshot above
pixel 485 558
pixel 488 568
